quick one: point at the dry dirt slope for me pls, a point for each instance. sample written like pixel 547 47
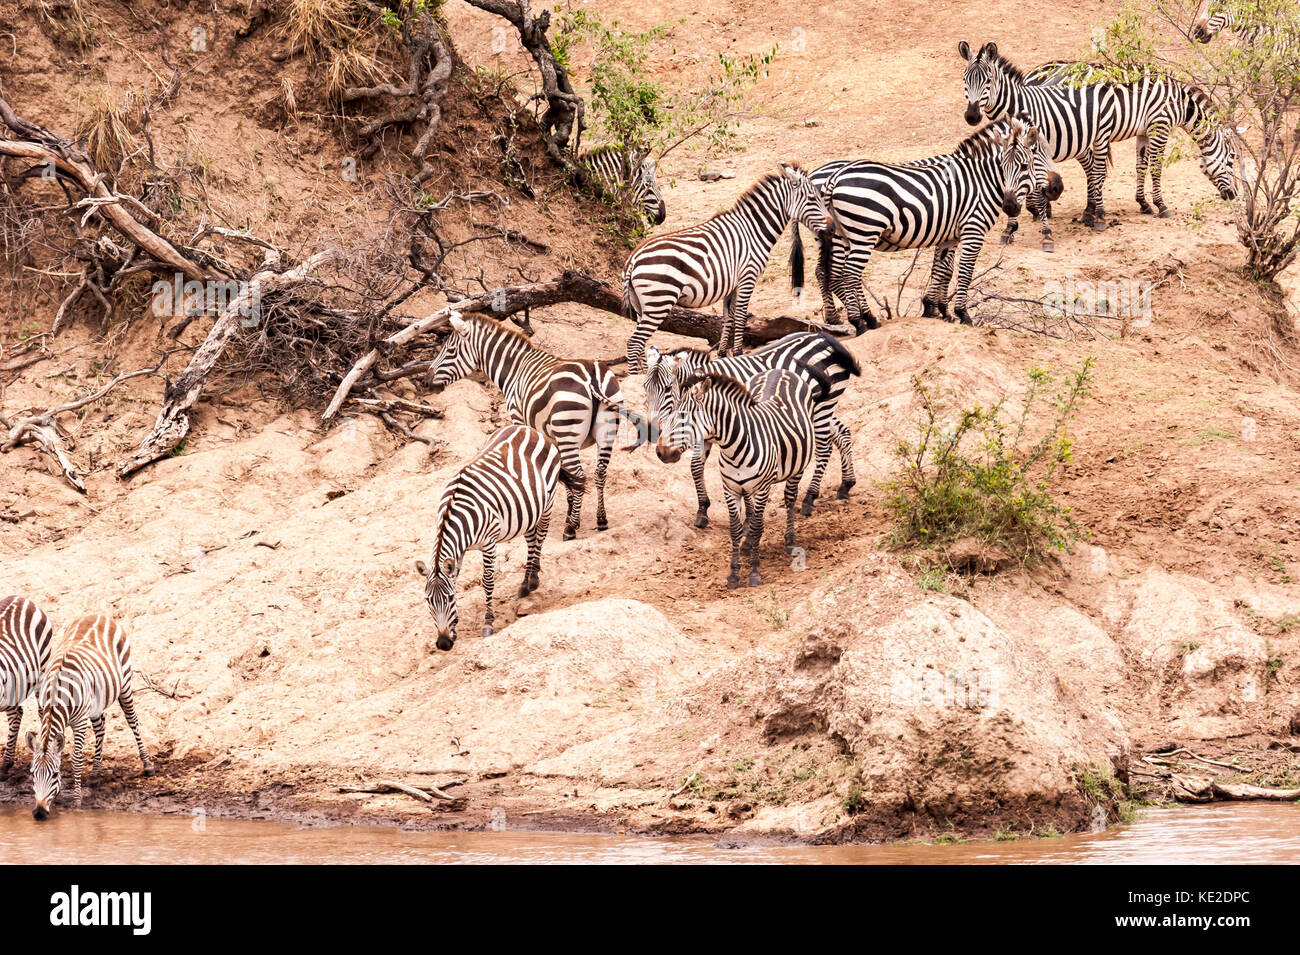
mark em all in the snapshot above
pixel 839 700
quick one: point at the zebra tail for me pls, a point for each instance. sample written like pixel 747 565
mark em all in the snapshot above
pixel 796 259
pixel 842 355
pixel 826 246
pixel 823 383
pixel 641 424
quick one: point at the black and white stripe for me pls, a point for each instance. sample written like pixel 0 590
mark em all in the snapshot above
pixel 816 356
pixel 764 434
pixel 90 669
pixel 718 260
pixel 1272 25
pixel 507 490
pixel 25 634
pixel 576 402
pixel 946 202
pixel 612 167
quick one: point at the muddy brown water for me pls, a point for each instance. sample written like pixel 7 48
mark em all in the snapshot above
pixel 1236 833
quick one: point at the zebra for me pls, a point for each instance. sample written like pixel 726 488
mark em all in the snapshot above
pixel 610 166
pixel 88 671
pixel 1148 107
pixel 505 491
pixel 575 402
pixel 945 202
pixel 1254 25
pixel 764 433
pixel 25 634
pixel 719 259
pixel 817 356
pixel 1077 120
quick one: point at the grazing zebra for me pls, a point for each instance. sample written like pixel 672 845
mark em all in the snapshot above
pixel 24 651
pixel 946 202
pixel 764 433
pixel 720 259
pixel 89 670
pixel 816 356
pixel 1149 106
pixel 576 402
pixel 611 165
pixel 507 490
pixel 1077 120
pixel 1254 26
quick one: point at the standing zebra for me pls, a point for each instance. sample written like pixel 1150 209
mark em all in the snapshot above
pixel 90 669
pixel 576 402
pixel 1149 106
pixel 25 634
pixel 1077 121
pixel 815 356
pixel 507 490
pixel 719 259
pixel 1254 25
pixel 764 434
pixel 611 166
pixel 946 202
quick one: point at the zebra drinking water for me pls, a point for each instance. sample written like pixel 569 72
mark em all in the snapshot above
pixel 720 259
pixel 576 402
pixel 816 356
pixel 507 490
pixel 611 167
pixel 764 433
pixel 946 202
pixel 25 634
pixel 89 670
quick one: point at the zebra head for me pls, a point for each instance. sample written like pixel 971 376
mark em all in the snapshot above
pixel 47 756
pixel 663 390
pixel 457 359
pixel 440 593
pixel 805 203
pixel 1217 160
pixel 1018 146
pixel 1203 30
pixel 978 79
pixel 645 190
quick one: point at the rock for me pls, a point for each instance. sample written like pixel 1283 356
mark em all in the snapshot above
pixel 969 554
pixel 713 175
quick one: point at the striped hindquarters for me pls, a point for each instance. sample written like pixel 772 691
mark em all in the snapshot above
pixel 25 636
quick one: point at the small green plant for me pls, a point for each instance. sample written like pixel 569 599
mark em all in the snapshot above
pixel 180 449
pixel 1048 832
pixel 1005 835
pixel 933 578
pixel 976 474
pixel 855 801
pixel 1274 664
pixel 1288 622
pixel 776 615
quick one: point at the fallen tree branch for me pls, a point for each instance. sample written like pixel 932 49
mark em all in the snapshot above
pixel 392 785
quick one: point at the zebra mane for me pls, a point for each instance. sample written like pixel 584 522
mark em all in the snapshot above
pixel 501 327
pixel 723 381
pixel 1006 66
pixel 979 142
pixel 762 186
pixel 436 568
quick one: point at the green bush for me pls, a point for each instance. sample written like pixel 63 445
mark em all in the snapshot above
pixel 976 474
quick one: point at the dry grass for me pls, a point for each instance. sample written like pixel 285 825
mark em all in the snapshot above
pixel 109 125
pixel 350 47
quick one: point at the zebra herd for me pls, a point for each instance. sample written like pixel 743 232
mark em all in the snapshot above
pixel 75 682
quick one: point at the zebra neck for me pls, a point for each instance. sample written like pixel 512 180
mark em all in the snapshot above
pixel 507 357
pixel 1010 99
pixel 763 213
pixel 460 529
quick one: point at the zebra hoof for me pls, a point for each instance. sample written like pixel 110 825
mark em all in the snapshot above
pixel 755 580
pixel 929 309
pixel 790 548
pixel 1099 224
pixel 570 533
pixel 701 519
pixel 1004 239
pixel 963 316
pixel 1165 214
pixel 487 630
pixel 1145 209
pixel 807 509
pixel 733 582
pixel 1049 245
pixel 843 492
pixel 150 771
pixel 524 590
pixel 602 525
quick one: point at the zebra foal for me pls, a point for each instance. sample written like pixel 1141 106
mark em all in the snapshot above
pixel 575 402
pixel 764 434
pixel 25 634
pixel 89 670
pixel 505 491
pixel 720 259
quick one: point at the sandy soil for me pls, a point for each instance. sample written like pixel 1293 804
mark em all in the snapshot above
pixel 267 573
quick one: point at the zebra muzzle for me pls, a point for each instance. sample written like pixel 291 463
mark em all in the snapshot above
pixel 667 453
pixel 1054 188
pixel 973 114
pixel 1010 204
pixel 445 641
pixel 40 812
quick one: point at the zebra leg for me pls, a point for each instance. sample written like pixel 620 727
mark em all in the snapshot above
pixel 934 304
pixel 533 568
pixel 127 702
pixel 791 496
pixel 698 457
pixel 823 456
pixel 646 325
pixel 740 312
pixel 1156 158
pixel 737 529
pixel 843 439
pixel 602 467
pixel 972 241
pixel 847 282
pixel 98 726
pixel 757 506
pixel 1044 214
pixel 15 714
pixel 489 578
pixel 1143 206
pixel 1096 170
pixel 78 746
pixel 575 491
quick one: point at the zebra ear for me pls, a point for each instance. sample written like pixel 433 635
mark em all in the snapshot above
pixel 458 323
pixel 422 568
pixel 651 358
pixel 448 567
pixel 963 49
pixel 30 740
pixel 790 172
pixel 990 50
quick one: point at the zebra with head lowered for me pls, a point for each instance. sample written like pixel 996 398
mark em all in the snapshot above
pixel 576 402
pixel 507 490
pixel 720 259
pixel 764 434
pixel 1149 107
pixel 946 202
pixel 1273 25
pixel 25 634
pixel 816 356
pixel 89 671
pixel 617 171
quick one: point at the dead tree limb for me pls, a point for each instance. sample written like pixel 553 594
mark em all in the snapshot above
pixel 392 785
pixel 173 422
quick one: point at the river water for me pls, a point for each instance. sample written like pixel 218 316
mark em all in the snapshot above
pixel 1222 833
